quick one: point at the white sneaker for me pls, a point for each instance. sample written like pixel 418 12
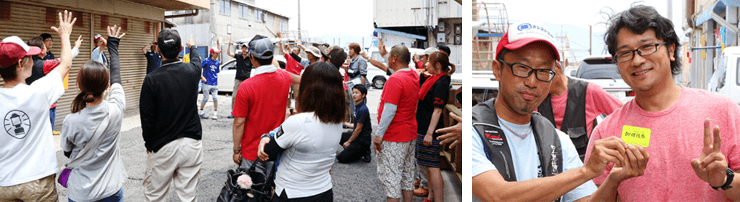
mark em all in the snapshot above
pixel 214 117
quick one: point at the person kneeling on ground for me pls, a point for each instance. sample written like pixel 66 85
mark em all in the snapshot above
pixel 356 143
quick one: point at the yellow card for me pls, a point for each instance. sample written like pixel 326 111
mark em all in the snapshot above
pixel 66 82
pixel 636 135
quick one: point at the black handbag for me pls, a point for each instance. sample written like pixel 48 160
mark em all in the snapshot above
pixel 261 190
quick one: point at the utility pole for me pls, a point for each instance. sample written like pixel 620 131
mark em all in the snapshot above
pixel 299 20
pixel 590 46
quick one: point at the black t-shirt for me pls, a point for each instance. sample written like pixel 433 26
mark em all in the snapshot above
pixel 363 116
pixel 153 61
pixel 436 97
pixel 243 67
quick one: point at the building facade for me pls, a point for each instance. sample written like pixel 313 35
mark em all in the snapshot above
pixel 141 21
pixel 238 20
pixel 420 24
pixel 710 25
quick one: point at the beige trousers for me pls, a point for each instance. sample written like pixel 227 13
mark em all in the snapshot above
pixel 43 189
pixel 177 163
pixel 396 166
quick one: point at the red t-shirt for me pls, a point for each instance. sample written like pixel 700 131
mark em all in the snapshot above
pixel 262 100
pixel 402 90
pixel 346 76
pixel 598 102
pixel 292 66
pixel 676 137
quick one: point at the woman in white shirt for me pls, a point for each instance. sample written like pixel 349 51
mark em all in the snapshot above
pixel 99 173
pixel 306 141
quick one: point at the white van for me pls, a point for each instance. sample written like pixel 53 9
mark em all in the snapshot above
pixel 726 80
pixel 377 77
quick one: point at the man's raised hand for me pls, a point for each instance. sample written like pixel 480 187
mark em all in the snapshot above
pixel 712 164
pixel 65 24
pixel 637 159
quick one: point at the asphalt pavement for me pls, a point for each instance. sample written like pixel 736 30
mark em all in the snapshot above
pixel 356 181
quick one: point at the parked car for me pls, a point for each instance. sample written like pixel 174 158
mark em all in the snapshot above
pixel 226 76
pixel 726 80
pixel 484 86
pixel 601 70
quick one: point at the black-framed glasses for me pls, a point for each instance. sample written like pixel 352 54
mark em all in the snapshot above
pixel 524 71
pixel 643 50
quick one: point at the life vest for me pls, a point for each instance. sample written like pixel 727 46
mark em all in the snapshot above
pixel 485 122
pixel 574 118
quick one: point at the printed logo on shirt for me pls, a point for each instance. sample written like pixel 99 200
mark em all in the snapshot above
pixel 17 124
pixel 279 132
pixel 213 68
pixel 438 101
pixel 494 138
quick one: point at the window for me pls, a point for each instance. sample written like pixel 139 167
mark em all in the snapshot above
pixel 243 11
pixel 737 78
pixel 225 7
pixel 258 15
pixel 283 27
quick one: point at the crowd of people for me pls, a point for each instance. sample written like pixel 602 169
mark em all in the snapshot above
pixel 330 112
pixel 659 146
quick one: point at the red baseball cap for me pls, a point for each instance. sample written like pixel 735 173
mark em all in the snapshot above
pixel 214 50
pixel 13 49
pixel 523 33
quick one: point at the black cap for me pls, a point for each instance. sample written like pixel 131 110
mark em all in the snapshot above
pixel 444 48
pixel 169 39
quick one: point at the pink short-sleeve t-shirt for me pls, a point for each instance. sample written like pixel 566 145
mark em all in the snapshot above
pixel 676 138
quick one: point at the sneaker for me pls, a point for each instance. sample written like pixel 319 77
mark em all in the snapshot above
pixel 204 116
pixel 367 158
pixel 214 117
pixel 230 116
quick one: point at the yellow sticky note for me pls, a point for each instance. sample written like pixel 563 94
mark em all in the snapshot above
pixel 636 135
pixel 66 82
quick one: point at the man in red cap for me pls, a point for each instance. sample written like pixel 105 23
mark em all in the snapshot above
pixel 28 158
pixel 211 68
pixel 516 151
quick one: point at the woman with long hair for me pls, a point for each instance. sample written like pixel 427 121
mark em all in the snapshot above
pixel 90 134
pixel 433 96
pixel 307 141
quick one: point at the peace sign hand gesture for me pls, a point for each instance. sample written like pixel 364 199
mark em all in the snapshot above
pixel 712 164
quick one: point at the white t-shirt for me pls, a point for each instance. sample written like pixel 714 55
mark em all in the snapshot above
pixel 526 160
pixel 310 147
pixel 26 143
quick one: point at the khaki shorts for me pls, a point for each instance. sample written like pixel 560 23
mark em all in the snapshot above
pixel 43 189
pixel 396 166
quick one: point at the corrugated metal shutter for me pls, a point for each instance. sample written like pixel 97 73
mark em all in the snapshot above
pixel 27 21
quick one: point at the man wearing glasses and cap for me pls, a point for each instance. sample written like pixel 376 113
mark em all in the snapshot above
pixel 516 151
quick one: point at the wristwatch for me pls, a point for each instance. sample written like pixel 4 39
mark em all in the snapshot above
pixel 726 186
pixel 237 150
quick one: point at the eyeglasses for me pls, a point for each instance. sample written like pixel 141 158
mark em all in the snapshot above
pixel 644 50
pixel 524 71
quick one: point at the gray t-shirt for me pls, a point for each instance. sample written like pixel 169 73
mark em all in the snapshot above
pixel 102 174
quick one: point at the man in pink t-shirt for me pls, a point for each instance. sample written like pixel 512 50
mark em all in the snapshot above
pixel 685 160
pixel 572 106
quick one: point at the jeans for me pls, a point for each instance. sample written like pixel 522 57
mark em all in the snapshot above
pixel 118 196
pixel 52 116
